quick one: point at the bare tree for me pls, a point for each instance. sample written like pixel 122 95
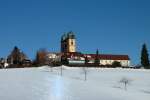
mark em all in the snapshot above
pixel 61 70
pixel 125 81
pixel 51 67
pixel 41 57
pixel 50 64
pixel 85 73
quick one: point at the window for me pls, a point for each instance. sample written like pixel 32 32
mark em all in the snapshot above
pixel 71 42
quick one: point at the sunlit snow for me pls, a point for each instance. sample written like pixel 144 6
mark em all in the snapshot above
pixel 102 84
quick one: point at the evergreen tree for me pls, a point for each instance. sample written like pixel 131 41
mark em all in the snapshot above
pixel 64 59
pixel 144 57
pixel 116 64
pixel 86 60
pixel 16 57
pixel 97 60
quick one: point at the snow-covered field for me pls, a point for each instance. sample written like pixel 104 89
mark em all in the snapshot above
pixel 102 84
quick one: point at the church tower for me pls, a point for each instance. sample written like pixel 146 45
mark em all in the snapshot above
pixel 68 42
pixel 71 42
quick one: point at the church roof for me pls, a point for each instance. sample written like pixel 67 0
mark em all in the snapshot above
pixel 69 35
pixel 101 56
pixel 110 56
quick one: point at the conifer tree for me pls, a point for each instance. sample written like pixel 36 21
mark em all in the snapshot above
pixel 86 60
pixel 145 57
pixel 116 64
pixel 16 57
pixel 97 60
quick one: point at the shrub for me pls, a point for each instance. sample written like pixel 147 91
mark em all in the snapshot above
pixel 116 64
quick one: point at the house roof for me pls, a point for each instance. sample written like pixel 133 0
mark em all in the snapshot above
pixel 110 56
pixel 101 56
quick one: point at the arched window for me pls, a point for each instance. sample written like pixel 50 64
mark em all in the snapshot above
pixel 71 42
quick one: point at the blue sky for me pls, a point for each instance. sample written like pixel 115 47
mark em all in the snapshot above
pixel 112 26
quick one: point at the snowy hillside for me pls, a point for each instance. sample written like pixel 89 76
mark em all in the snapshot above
pixel 102 84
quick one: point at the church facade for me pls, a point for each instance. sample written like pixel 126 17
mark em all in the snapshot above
pixel 68 51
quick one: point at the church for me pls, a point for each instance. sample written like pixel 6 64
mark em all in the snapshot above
pixel 69 53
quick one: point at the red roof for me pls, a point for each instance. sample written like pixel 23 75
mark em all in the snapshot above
pixel 101 56
pixel 110 56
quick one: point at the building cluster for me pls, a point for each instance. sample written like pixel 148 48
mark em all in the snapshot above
pixel 68 56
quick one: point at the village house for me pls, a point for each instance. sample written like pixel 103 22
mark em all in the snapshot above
pixel 53 56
